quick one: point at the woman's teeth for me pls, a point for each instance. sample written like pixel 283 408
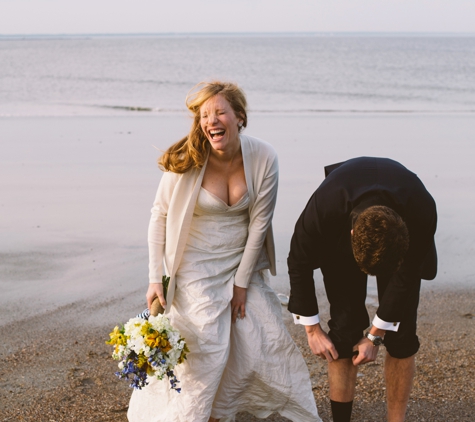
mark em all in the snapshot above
pixel 219 132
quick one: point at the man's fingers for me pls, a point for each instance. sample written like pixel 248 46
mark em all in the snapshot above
pixel 334 353
pixel 329 354
pixel 362 358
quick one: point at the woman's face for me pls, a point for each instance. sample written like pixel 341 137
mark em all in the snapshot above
pixel 219 123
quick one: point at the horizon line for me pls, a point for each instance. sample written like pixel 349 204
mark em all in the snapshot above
pixel 235 33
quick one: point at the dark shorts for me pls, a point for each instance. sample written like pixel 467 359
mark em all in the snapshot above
pixel 346 292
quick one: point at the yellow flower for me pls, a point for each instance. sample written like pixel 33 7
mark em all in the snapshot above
pixel 165 344
pixel 146 328
pixel 183 354
pixel 117 338
pixel 142 360
pixel 152 339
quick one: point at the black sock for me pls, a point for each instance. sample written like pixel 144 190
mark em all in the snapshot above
pixel 341 411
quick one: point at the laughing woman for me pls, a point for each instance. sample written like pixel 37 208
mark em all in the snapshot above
pixel 211 232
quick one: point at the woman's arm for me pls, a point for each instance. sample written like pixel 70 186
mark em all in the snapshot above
pixel 157 236
pixel 260 219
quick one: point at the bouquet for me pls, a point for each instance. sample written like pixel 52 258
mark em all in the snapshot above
pixel 148 346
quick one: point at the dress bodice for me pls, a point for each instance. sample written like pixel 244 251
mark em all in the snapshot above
pixel 208 203
pixel 217 226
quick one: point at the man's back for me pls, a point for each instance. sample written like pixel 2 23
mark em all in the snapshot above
pixel 365 181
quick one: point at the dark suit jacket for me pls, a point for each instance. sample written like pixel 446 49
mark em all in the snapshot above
pixel 322 233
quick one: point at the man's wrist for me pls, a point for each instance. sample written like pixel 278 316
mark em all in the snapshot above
pixel 375 331
pixel 375 339
pixel 313 328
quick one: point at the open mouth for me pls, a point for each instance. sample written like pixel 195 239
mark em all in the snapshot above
pixel 216 133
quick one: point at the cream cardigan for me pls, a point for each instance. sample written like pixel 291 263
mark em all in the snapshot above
pixel 173 210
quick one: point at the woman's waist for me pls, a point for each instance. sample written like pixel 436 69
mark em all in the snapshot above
pixel 216 239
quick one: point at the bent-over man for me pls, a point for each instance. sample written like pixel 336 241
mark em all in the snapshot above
pixel 369 216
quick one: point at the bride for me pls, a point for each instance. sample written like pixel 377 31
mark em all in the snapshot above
pixel 211 232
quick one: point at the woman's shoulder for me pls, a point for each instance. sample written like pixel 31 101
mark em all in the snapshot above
pixel 172 183
pixel 258 146
pixel 174 177
pixel 170 177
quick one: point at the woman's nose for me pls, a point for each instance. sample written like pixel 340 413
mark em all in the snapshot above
pixel 212 117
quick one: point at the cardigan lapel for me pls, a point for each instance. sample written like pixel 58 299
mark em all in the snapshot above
pixel 184 223
pixel 247 162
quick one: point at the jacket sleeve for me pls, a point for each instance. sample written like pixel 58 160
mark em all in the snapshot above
pixel 260 221
pixel 304 257
pixel 157 226
pixel 405 283
pixel 402 287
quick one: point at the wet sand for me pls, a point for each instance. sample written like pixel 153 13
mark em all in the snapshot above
pixel 76 195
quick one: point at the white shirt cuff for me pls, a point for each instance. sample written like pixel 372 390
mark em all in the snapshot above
pixel 306 320
pixel 383 325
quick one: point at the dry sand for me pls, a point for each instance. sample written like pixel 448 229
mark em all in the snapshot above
pixel 76 195
pixel 55 368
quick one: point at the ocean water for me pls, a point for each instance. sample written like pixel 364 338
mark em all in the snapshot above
pixel 115 75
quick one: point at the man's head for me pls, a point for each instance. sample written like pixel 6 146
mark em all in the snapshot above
pixel 380 240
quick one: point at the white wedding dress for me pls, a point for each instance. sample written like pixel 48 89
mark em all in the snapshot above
pixel 252 365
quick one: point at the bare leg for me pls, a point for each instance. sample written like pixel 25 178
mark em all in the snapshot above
pixel 399 376
pixel 342 379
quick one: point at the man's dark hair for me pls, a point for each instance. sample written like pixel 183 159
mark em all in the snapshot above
pixel 380 240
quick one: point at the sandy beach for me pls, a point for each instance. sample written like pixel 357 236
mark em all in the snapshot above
pixel 57 367
pixel 74 210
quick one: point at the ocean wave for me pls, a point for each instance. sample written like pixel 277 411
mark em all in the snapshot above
pixel 128 108
pixel 71 110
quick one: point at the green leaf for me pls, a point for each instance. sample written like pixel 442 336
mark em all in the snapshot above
pixel 165 281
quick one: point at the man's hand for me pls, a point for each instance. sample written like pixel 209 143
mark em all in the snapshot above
pixel 367 352
pixel 320 343
pixel 238 303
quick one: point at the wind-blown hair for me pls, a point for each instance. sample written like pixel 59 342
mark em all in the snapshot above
pixel 380 240
pixel 191 151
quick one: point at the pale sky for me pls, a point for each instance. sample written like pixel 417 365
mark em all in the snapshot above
pixel 164 16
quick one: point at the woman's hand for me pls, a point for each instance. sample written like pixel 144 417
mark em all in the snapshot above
pixel 238 303
pixel 155 290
